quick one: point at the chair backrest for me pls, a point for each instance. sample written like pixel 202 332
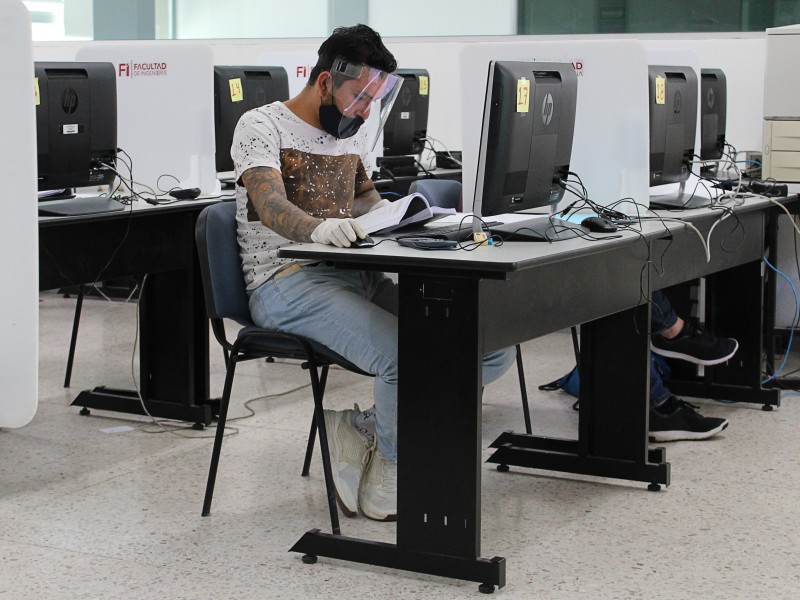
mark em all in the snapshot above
pixel 439 192
pixel 220 264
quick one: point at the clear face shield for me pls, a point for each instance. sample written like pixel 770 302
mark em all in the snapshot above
pixel 358 90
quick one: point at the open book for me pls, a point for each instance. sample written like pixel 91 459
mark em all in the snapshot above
pixel 414 208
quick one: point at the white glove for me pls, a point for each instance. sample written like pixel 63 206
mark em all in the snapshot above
pixel 339 232
pixel 380 204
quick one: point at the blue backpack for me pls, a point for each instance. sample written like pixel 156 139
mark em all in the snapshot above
pixel 570 383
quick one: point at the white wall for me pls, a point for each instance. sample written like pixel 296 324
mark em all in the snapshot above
pixel 197 19
pixel 312 18
pixel 79 19
pixel 19 249
pixel 741 56
pixel 443 17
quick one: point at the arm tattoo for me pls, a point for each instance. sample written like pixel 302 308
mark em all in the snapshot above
pixel 366 196
pixel 267 194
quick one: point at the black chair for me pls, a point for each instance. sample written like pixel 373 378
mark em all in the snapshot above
pixel 223 284
pixel 439 192
pixel 80 293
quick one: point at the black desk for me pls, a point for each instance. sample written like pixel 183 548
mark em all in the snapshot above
pixel 158 241
pixel 456 306
pixel 737 304
pixel 739 300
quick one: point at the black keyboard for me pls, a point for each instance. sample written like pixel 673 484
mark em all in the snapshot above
pixel 459 232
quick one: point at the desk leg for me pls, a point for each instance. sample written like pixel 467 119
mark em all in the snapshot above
pixel 173 356
pixel 613 429
pixel 439 424
pixel 174 338
pixel 735 307
pixel 773 336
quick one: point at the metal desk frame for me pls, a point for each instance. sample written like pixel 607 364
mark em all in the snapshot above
pixel 158 241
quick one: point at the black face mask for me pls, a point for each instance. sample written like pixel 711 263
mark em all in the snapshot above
pixel 336 124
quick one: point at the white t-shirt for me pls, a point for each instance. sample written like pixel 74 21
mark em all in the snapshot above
pixel 320 173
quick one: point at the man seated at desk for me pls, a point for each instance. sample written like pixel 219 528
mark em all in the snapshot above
pixel 301 169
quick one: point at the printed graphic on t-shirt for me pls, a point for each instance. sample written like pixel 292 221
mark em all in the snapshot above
pixel 323 186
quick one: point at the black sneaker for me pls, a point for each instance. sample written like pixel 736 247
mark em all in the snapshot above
pixel 696 345
pixel 683 423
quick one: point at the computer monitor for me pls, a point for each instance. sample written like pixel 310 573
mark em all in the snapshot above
pixel 76 134
pixel 673 123
pixel 406 127
pixel 526 144
pixel 238 89
pixel 713 113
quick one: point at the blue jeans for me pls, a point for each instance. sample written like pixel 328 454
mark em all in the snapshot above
pixel 659 393
pixel 354 313
pixel 662 316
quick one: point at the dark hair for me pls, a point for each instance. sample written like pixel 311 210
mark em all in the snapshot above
pixel 359 44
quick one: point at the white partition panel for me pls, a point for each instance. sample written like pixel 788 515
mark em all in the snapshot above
pixel 298 63
pixel 610 148
pixel 165 103
pixel 19 269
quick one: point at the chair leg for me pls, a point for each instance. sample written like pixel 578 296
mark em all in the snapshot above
pixel 221 419
pixel 73 340
pixel 523 391
pixel 577 351
pixel 312 434
pixel 575 346
pixel 312 437
pixel 317 389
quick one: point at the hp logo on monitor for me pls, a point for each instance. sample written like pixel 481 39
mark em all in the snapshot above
pixel 547 109
pixel 69 101
pixel 677 103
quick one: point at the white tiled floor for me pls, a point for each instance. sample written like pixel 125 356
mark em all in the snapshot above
pixel 87 514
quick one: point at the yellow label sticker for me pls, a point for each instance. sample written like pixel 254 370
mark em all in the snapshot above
pixel 37 98
pixel 661 90
pixel 237 94
pixel 523 95
pixel 423 85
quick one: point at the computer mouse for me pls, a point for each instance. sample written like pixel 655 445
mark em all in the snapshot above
pixel 365 242
pixel 599 224
pixel 185 194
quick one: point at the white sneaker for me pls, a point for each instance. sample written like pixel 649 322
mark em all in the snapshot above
pixel 378 494
pixel 349 450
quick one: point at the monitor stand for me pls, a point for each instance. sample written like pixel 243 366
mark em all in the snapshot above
pixel 80 205
pixel 541 228
pixel 680 199
pixel 227 179
pixel 57 194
